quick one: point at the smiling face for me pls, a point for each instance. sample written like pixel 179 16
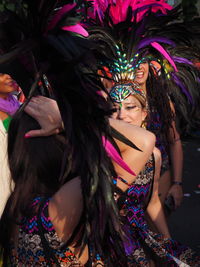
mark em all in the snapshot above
pixel 142 74
pixel 7 85
pixel 131 110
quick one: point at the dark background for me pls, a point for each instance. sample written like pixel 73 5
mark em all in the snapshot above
pixel 185 222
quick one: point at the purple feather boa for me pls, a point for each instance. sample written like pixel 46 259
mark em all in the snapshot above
pixel 9 105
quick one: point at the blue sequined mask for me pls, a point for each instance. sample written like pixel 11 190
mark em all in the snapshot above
pixel 121 91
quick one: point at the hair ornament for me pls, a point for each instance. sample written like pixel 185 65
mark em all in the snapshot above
pixel 120 92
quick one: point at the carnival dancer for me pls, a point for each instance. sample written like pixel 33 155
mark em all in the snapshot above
pixel 145 246
pixel 130 40
pixel 64 213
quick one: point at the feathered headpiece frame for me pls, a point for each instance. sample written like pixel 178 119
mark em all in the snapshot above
pixel 137 37
pixel 123 69
pixel 130 32
pixel 125 40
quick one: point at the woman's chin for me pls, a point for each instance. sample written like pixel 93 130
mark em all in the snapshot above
pixel 134 123
pixel 140 81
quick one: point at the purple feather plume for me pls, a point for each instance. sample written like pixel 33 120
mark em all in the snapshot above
pixel 148 41
pixel 182 60
pixel 183 88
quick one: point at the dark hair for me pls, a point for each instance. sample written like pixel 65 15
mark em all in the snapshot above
pixel 36 163
pixel 158 97
pixel 84 113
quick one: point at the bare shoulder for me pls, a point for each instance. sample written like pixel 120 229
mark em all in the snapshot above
pixel 139 136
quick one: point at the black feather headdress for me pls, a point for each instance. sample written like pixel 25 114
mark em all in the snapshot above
pixel 128 33
pixel 50 41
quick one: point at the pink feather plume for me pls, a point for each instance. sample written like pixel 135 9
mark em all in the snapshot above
pixel 114 155
pixel 159 48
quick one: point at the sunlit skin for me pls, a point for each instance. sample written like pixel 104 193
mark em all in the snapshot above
pixel 131 111
pixel 7 85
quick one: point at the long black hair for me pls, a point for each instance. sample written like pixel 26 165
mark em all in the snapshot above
pixel 84 113
pixel 35 165
pixel 66 59
pixel 158 97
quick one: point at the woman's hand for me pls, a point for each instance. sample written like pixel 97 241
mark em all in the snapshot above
pixel 176 192
pixel 46 112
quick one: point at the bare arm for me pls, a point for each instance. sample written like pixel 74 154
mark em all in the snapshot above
pixel 176 155
pixel 155 209
pixel 135 159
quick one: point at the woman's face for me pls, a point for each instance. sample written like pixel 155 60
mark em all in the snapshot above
pixel 142 74
pixel 7 84
pixel 130 110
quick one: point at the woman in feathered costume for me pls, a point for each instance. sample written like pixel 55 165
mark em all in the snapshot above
pixel 62 212
pixel 131 46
